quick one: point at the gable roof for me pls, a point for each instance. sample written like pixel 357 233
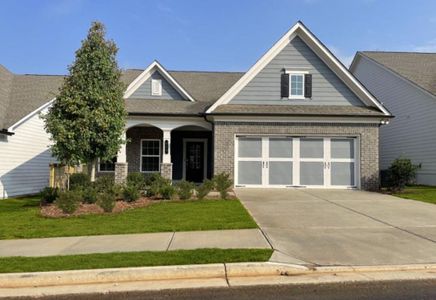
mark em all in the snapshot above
pixel 155 67
pixel 23 95
pixel 417 68
pixel 300 30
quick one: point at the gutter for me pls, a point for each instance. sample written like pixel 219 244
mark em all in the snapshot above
pixel 299 115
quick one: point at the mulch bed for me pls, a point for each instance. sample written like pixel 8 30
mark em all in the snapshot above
pixel 52 211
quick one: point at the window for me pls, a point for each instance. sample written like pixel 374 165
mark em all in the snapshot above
pixel 150 156
pixel 107 166
pixel 296 86
pixel 156 87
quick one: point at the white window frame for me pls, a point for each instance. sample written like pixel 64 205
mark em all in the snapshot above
pixel 296 72
pixel 141 156
pixel 105 171
pixel 159 84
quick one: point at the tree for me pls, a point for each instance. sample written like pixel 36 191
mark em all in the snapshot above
pixel 87 119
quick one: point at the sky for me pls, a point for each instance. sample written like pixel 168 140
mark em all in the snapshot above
pixel 41 36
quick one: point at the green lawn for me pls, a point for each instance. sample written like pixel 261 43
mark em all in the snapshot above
pixel 131 259
pixel 19 218
pixel 419 192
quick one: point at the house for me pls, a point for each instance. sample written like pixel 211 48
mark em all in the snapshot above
pixel 296 118
pixel 406 83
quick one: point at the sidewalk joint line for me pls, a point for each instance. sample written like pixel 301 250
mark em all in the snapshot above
pixel 171 241
pixel 226 277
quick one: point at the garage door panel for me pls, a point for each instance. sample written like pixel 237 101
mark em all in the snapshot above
pixel 312 173
pixel 250 147
pixel 342 173
pixel 250 172
pixel 280 173
pixel 280 148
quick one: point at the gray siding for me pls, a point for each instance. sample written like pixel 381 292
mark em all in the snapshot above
pixel 168 92
pixel 412 133
pixel 327 88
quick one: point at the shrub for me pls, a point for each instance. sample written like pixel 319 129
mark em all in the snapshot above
pixel 106 201
pixel 204 189
pixel 401 172
pixel 222 183
pixel 156 185
pixel 136 179
pixel 131 193
pixel 68 201
pixel 49 195
pixel 104 183
pixel 79 180
pixel 89 194
pixel 167 191
pixel 185 189
pixel 150 178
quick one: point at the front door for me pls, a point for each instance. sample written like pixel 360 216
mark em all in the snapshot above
pixel 194 161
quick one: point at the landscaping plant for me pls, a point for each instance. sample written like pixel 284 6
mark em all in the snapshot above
pixel 131 193
pixel 167 191
pixel 87 119
pixel 104 183
pixel 185 189
pixel 79 181
pixel 49 195
pixel 106 201
pixel 157 183
pixel 68 201
pixel 401 172
pixel 89 194
pixel 223 183
pixel 204 189
pixel 136 179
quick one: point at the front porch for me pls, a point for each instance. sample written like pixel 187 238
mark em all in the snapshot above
pixel 177 149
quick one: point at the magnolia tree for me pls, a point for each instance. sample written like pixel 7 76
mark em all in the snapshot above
pixel 87 119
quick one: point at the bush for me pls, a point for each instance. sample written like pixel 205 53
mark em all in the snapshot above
pixel 157 182
pixel 89 194
pixel 104 183
pixel 204 189
pixel 222 183
pixel 49 195
pixel 150 178
pixel 68 201
pixel 401 172
pixel 79 180
pixel 185 189
pixel 167 191
pixel 136 179
pixel 106 201
pixel 131 193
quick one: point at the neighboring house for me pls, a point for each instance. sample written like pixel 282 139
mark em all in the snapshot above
pixel 296 118
pixel 406 83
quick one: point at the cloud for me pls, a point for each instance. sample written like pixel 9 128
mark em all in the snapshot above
pixel 344 58
pixel 430 46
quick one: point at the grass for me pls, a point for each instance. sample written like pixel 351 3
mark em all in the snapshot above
pixel 422 193
pixel 131 259
pixel 20 218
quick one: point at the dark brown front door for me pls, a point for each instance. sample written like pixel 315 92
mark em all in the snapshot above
pixel 195 161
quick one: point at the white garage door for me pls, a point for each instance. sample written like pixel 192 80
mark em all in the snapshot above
pixel 295 161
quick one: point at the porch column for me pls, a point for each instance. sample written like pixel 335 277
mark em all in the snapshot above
pixel 166 167
pixel 121 165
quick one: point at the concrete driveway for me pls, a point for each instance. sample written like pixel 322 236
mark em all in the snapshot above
pixel 343 227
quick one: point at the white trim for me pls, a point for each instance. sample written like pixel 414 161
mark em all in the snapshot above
pixel 303 89
pixel 155 66
pixel 204 140
pixel 31 114
pixel 156 83
pixel 302 119
pixel 160 156
pixel 335 65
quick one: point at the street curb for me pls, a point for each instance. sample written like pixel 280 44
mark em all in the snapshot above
pixel 208 271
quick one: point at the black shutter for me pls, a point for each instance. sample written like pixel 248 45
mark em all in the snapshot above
pixel 285 86
pixel 307 85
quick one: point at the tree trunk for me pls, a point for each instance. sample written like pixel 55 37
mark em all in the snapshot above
pixel 92 175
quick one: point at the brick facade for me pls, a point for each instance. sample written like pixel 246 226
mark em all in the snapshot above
pixel 133 148
pixel 224 138
pixel 166 170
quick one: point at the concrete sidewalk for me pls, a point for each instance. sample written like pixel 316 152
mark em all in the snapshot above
pixel 161 241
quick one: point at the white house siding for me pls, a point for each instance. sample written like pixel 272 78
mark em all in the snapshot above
pixel 412 133
pixel 24 159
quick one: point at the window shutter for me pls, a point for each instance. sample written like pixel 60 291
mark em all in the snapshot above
pixel 285 86
pixel 307 85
